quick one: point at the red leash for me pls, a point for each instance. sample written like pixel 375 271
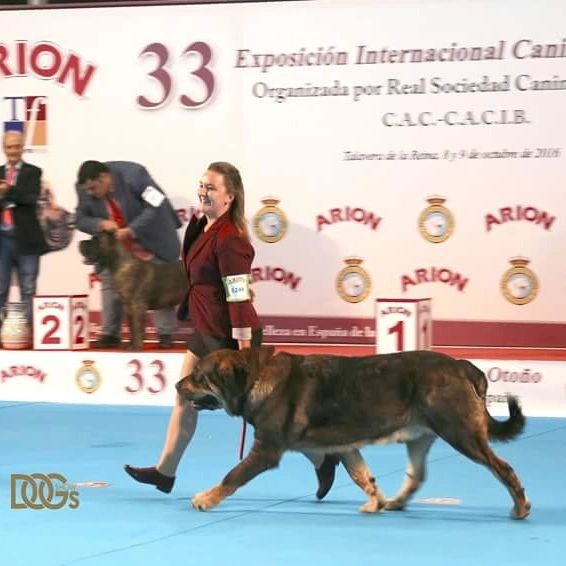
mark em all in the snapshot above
pixel 243 439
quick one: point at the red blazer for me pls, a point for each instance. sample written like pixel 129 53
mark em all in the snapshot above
pixel 208 257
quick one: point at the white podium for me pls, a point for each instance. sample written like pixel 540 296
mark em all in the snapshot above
pixel 402 325
pixel 60 322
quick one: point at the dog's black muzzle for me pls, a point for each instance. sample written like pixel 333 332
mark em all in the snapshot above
pixel 89 255
pixel 200 401
pixel 206 403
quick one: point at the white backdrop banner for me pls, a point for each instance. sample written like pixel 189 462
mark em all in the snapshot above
pixel 90 377
pixel 392 149
pixel 148 378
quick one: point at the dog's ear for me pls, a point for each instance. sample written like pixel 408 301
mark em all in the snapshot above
pixel 258 357
pixel 265 353
pixel 107 241
pixel 94 242
pixel 225 365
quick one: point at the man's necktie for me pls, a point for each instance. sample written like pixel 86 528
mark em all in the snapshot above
pixel 133 247
pixel 116 212
pixel 7 216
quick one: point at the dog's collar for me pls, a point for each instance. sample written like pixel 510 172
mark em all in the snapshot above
pixel 243 399
pixel 252 382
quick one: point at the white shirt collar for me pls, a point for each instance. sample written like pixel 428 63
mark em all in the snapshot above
pixel 18 165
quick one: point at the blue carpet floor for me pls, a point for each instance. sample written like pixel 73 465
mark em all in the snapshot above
pixel 460 517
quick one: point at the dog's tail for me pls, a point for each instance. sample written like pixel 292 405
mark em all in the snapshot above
pixel 497 430
pixel 512 427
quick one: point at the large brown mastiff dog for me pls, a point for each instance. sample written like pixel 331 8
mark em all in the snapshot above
pixel 141 285
pixel 336 404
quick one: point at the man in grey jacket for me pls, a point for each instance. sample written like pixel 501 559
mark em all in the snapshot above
pixel 121 197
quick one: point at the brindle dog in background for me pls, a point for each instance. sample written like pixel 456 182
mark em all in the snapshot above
pixel 141 285
pixel 337 404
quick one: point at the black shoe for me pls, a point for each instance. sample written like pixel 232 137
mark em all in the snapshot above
pixel 152 477
pixel 325 475
pixel 106 341
pixel 165 342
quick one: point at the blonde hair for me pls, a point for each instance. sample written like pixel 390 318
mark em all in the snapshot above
pixel 234 187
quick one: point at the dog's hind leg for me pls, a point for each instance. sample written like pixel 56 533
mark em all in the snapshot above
pixel 415 475
pixel 507 476
pixel 470 437
pixel 259 459
pixel 358 470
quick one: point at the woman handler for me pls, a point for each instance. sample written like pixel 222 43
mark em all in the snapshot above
pixel 218 255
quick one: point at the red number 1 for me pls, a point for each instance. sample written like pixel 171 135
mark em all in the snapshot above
pixel 425 344
pixel 399 328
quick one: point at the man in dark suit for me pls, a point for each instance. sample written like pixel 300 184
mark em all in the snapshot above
pixel 21 238
pixel 121 197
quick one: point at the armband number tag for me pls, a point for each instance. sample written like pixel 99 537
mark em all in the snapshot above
pixel 237 288
pixel 152 196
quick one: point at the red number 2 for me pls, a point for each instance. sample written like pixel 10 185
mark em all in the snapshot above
pixel 79 329
pixel 49 338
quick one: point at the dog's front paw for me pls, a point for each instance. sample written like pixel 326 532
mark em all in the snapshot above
pixel 206 499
